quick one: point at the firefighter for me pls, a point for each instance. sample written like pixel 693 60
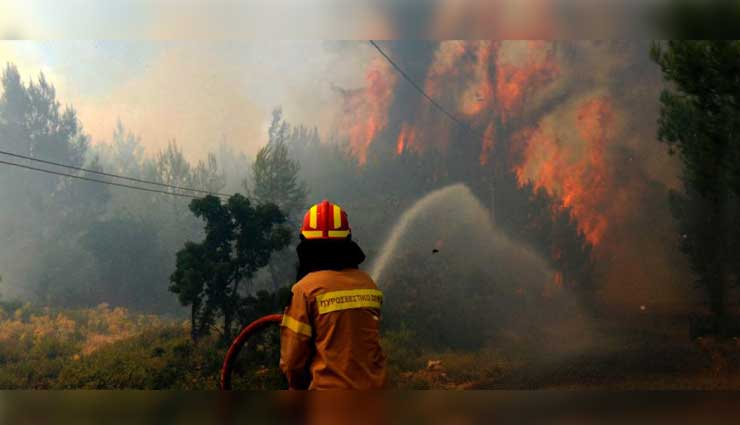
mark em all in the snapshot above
pixel 329 337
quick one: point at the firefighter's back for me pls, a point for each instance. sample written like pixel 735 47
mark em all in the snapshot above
pixel 345 310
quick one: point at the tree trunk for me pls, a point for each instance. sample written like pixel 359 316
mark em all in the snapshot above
pixel 719 285
pixel 193 325
pixel 228 319
pixel 229 308
pixel 273 274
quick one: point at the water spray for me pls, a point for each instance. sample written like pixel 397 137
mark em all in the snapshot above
pixel 401 227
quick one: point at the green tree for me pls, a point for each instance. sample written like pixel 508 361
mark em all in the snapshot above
pixel 275 174
pixel 700 120
pixel 209 275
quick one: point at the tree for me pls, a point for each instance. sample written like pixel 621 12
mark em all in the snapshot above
pixel 127 152
pixel 174 222
pixel 129 263
pixel 275 180
pixel 700 120
pixel 33 123
pixel 275 174
pixel 207 176
pixel 239 241
pixel 45 214
pixel 172 167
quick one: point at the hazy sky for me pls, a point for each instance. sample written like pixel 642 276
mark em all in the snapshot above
pixel 198 93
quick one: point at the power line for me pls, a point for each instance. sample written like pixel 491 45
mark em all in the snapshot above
pixel 422 92
pixel 28 167
pixel 102 173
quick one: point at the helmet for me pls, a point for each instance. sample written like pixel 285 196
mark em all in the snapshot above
pixel 325 221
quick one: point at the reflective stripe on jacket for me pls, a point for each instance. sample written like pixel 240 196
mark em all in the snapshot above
pixel 330 335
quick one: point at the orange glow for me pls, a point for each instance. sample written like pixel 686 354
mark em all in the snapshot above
pixel 487 146
pixel 575 173
pixel 554 286
pixel 406 139
pixel 557 279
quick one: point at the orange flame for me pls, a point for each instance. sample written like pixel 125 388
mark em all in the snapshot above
pixel 487 146
pixel 399 143
pixel 446 63
pixel 406 139
pixel 516 78
pixel 557 279
pixel 554 286
pixel 575 173
pixel 488 81
pixel 365 111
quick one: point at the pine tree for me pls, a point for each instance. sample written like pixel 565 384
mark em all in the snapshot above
pixel 275 174
pixel 700 121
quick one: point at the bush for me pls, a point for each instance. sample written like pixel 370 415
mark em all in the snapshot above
pixel 443 314
pixel 157 359
pixel 37 344
pixel 166 358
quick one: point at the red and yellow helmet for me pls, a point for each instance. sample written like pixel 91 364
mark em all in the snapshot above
pixel 325 221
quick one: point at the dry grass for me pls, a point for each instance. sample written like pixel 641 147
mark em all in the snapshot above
pixel 89 329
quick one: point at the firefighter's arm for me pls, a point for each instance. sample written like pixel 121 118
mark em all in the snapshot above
pixel 296 346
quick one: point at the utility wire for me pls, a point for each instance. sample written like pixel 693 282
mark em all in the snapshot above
pixel 422 92
pixel 101 173
pixel 28 167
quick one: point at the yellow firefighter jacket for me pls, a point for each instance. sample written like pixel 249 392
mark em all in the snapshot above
pixel 329 338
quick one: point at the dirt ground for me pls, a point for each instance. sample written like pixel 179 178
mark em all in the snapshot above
pixel 659 355
pixel 630 355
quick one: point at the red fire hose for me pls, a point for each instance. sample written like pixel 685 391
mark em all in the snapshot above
pixel 239 342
